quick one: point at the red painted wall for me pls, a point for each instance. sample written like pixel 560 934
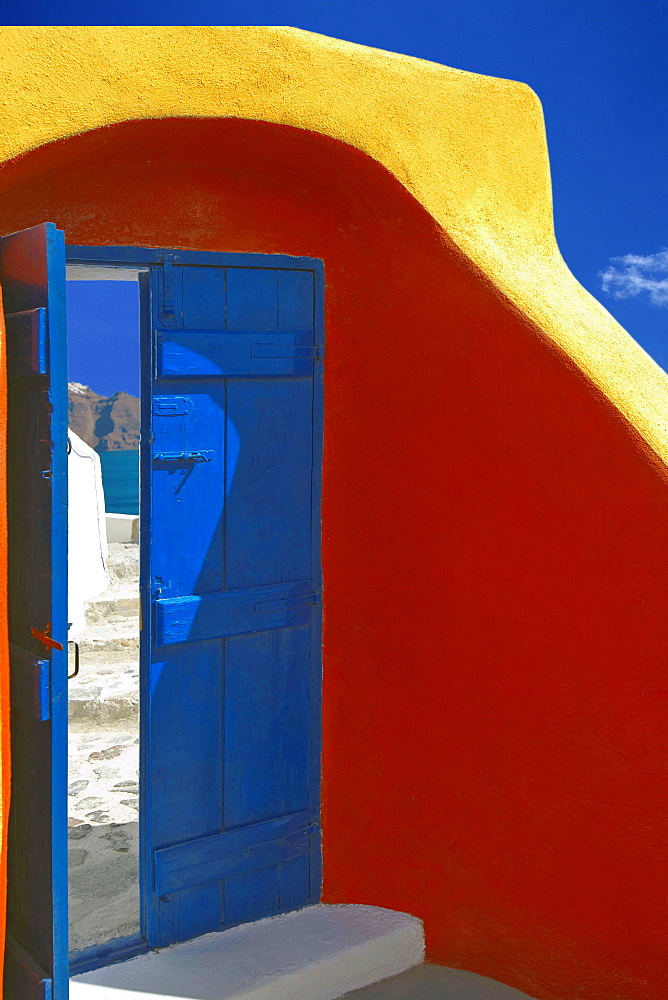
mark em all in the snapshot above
pixel 494 546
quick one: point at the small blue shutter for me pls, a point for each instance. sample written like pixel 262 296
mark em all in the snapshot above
pixel 33 283
pixel 233 503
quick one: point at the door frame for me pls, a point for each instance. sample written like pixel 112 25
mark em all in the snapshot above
pixel 142 259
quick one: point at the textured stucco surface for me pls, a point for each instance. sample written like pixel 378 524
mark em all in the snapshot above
pixel 470 148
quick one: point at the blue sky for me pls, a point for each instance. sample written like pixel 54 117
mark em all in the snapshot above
pixel 598 67
pixel 100 314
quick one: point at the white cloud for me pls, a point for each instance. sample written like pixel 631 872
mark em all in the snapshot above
pixel 633 274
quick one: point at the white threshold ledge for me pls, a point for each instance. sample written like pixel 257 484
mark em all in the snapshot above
pixel 318 953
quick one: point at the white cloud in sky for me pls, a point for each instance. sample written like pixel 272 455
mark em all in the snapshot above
pixel 633 274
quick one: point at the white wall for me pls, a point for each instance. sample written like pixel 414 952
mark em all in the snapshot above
pixel 87 558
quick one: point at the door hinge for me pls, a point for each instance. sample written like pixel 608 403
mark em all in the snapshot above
pixel 168 306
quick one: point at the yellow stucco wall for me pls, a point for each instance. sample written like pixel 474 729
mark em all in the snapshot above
pixel 470 148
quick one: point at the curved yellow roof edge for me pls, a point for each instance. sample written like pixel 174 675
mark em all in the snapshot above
pixel 471 149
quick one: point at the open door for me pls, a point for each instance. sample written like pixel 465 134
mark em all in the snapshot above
pixel 33 282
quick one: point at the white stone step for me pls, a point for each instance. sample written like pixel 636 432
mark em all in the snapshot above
pixel 109 642
pixel 104 693
pixel 318 953
pixel 123 564
pixel 112 607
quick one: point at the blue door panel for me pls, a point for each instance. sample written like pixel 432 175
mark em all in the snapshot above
pixel 252 299
pixel 266 759
pixel 250 893
pixel 185 776
pixel 293 879
pixel 184 915
pixel 187 743
pixel 232 497
pixel 203 297
pixel 188 498
pixel 295 302
pixel 268 890
pixel 268 508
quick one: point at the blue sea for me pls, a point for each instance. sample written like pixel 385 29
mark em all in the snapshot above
pixel 120 481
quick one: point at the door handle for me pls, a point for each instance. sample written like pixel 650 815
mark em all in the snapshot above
pixel 183 456
pixel 71 642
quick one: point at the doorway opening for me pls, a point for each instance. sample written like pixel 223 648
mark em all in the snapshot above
pixel 231 364
pixel 195 712
pixel 103 333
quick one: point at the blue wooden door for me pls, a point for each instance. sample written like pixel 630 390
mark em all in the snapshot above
pixel 231 500
pixel 33 283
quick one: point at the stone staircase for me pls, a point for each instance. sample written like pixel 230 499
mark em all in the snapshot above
pixel 106 690
pixel 103 802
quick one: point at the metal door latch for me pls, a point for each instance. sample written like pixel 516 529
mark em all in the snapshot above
pixel 45 638
pixel 183 456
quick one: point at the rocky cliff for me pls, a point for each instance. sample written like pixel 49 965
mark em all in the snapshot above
pixel 106 423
